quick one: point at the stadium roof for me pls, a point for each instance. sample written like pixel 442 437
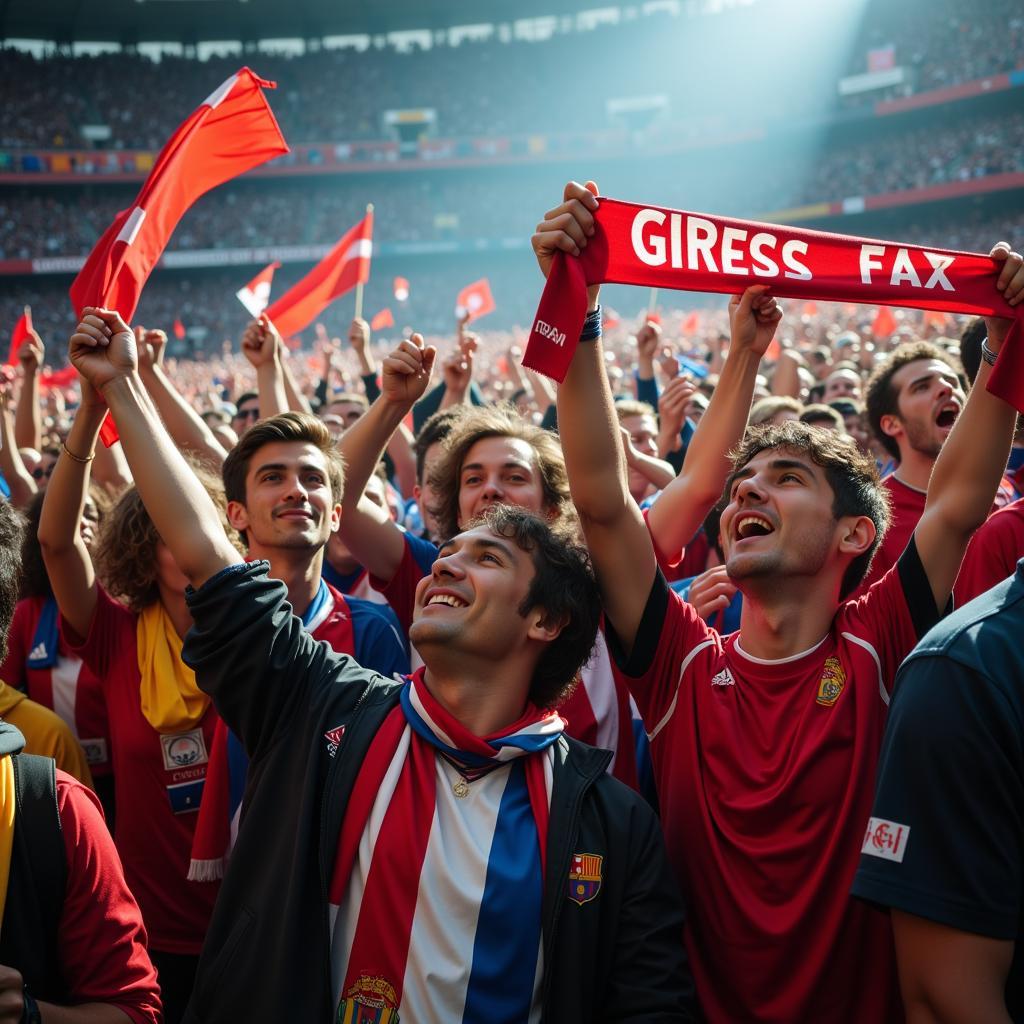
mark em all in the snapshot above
pixel 129 21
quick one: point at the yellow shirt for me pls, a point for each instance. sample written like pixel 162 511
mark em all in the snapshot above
pixel 45 733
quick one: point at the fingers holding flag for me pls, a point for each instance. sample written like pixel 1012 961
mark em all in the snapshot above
pixel 568 226
pixel 103 347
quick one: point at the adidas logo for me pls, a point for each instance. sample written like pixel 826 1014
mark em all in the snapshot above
pixel 38 652
pixel 723 678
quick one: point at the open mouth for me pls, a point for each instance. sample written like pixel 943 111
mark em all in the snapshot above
pixel 449 599
pixel 947 416
pixel 751 524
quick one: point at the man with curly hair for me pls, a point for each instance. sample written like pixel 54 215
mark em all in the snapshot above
pixel 433 849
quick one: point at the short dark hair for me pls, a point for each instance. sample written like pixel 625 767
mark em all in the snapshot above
pixel 479 424
pixel 435 430
pixel 852 475
pixel 970 346
pixel 246 396
pixel 564 586
pixel 286 426
pixel 11 529
pixel 881 398
pixel 821 414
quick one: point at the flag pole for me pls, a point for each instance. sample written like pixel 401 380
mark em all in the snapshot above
pixel 652 301
pixel 359 284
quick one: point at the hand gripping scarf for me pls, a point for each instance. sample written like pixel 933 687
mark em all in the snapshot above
pixel 661 248
pixel 395 790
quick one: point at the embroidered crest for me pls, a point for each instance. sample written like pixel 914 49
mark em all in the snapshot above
pixel 333 737
pixel 369 1001
pixel 584 877
pixel 833 679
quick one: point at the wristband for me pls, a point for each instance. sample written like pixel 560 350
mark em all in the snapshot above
pixel 30 1014
pixel 987 354
pixel 76 458
pixel 591 326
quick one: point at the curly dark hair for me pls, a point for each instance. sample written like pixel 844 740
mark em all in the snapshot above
pixel 12 527
pixel 497 421
pixel 564 586
pixel 125 550
pixel 852 475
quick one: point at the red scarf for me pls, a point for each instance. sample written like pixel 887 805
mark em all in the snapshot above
pixel 660 248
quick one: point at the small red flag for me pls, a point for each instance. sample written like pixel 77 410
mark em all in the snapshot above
pixel 382 319
pixel 611 318
pixel 691 325
pixel 810 309
pixel 475 299
pixel 231 131
pixel 255 296
pixel 179 328
pixel 345 266
pixel 401 289
pixel 884 323
pixel 21 333
pixel 933 318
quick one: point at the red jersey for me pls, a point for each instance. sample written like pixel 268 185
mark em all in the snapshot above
pixel 67 687
pixel 992 554
pixel 101 942
pixel 907 507
pixel 765 774
pixel 158 782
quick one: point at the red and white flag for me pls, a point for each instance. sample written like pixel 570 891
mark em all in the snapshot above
pixel 345 266
pixel 21 333
pixel 382 319
pixel 401 289
pixel 230 132
pixel 475 299
pixel 255 296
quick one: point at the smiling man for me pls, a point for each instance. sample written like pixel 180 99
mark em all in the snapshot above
pixel 913 400
pixel 765 743
pixel 427 850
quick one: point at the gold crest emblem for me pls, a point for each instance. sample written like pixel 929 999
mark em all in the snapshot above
pixel 833 679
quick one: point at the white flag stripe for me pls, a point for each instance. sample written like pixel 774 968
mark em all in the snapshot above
pixel 360 249
pixel 219 94
pixel 131 226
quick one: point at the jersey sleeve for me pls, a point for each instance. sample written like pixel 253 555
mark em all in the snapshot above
pixel 112 626
pixel 101 941
pixel 894 613
pixel 991 556
pixel 670 632
pixel 417 559
pixel 946 837
pixel 379 643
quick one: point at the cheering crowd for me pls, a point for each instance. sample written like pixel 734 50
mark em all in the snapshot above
pixel 414 687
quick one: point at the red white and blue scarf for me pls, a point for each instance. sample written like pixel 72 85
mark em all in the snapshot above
pixel 438 879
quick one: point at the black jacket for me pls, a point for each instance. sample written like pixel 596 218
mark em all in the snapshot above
pixel 618 957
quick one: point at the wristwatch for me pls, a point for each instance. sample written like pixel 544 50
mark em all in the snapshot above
pixel 30 1014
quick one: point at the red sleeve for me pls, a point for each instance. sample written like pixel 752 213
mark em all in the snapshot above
pixel 671 633
pixel 992 554
pixel 12 671
pixel 400 590
pixel 102 941
pixel 106 638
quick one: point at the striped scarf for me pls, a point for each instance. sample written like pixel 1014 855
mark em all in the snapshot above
pixel 436 889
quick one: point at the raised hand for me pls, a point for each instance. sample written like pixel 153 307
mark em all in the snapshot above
pixel 567 228
pixel 102 349
pixel 711 592
pixel 31 352
pixel 672 405
pixel 1011 283
pixel 261 342
pixel 753 319
pixel 359 335
pixel 406 371
pixel 648 338
pixel 150 346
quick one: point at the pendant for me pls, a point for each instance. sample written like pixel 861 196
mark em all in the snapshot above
pixel 461 788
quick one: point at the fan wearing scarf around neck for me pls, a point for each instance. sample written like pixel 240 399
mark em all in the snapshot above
pixel 431 849
pixel 161 724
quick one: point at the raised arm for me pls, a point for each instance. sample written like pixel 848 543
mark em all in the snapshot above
pixel 67 559
pixel 677 514
pixel 367 529
pixel 18 478
pixel 103 351
pixel 297 401
pixel 614 529
pixel 973 459
pixel 261 345
pixel 185 425
pixel 28 418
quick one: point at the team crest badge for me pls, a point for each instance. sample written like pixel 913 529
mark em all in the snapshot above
pixel 833 679
pixel 584 877
pixel 333 737
pixel 369 1001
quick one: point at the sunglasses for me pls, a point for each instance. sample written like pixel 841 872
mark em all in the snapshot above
pixel 38 473
pixel 245 414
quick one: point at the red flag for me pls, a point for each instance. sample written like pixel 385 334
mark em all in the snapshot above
pixel 382 319
pixel 810 309
pixel 401 289
pixel 884 323
pixel 179 328
pixel 231 131
pixel 345 266
pixel 611 318
pixel 691 325
pixel 21 333
pixel 255 296
pixel 475 299
pixel 934 318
